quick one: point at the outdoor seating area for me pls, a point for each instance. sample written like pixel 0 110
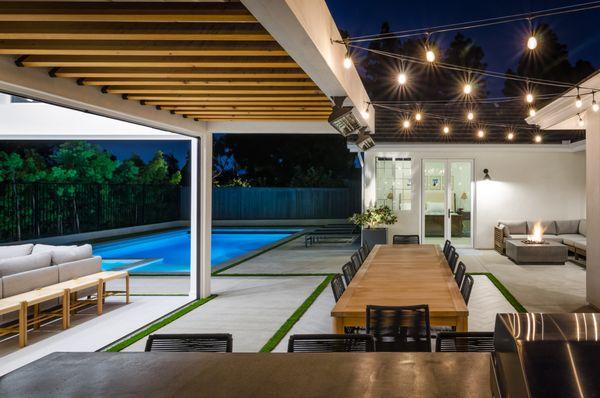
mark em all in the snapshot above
pixel 41 282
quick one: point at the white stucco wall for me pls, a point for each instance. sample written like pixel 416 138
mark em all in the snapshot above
pixel 527 184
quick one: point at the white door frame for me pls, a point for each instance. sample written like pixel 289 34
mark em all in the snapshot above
pixel 448 189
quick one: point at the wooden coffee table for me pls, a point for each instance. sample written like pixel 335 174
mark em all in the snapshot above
pixel 549 252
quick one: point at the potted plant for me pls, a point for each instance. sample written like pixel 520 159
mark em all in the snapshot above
pixel 371 221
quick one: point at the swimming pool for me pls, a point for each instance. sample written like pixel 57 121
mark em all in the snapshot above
pixel 169 252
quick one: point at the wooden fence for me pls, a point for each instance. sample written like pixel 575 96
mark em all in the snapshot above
pixel 284 203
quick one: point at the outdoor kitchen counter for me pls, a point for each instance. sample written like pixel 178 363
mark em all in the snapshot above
pixel 252 375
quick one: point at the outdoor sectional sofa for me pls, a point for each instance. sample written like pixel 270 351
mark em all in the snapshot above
pixel 45 277
pixel 571 233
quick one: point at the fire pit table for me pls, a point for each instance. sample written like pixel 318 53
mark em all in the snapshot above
pixel 548 252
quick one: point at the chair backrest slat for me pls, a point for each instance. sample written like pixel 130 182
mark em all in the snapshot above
pixel 337 285
pixel 460 273
pixel 349 272
pixel 405 239
pixel 356 261
pixel 465 342
pixel 331 343
pixel 220 342
pixel 446 250
pixel 453 261
pixel 466 287
pixel 399 328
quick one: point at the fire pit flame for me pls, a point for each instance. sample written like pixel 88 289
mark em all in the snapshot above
pixel 537 236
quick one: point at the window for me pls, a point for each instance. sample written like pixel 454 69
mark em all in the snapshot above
pixel 394 183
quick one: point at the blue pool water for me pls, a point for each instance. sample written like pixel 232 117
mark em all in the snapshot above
pixel 169 252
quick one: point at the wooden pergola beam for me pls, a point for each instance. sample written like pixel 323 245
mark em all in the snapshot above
pixel 255 113
pixel 208 90
pixel 54 61
pixel 124 12
pixel 261 118
pixel 226 98
pixel 140 48
pixel 196 82
pixel 189 109
pixel 234 102
pixel 128 31
pixel 181 73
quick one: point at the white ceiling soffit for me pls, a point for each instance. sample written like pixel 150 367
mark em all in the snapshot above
pixel 457 148
pixel 561 114
pixel 305 29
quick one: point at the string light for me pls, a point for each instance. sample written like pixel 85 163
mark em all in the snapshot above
pixel 531 111
pixel 532 41
pixel 480 133
pixel 578 101
pixel 595 106
pixel 430 55
pixel 467 89
pixel 529 98
pixel 446 129
pixel 580 122
pixel 418 116
pixel 347 60
pixel 537 139
pixel 510 136
pixel 365 113
pixel 470 116
pixel 406 124
pixel 402 78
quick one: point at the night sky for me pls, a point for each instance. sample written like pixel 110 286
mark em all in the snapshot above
pixel 502 44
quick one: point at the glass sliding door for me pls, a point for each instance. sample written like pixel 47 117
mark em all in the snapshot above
pixel 447 191
pixel 460 187
pixel 434 201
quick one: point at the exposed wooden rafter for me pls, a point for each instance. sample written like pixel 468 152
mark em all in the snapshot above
pixel 201 60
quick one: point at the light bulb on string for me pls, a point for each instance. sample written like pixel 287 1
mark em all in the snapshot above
pixel 510 136
pixel 430 55
pixel 418 116
pixel 406 124
pixel 402 78
pixel 480 133
pixel 446 129
pixel 580 122
pixel 578 101
pixel 532 111
pixel 467 89
pixel 529 98
pixel 595 106
pixel 531 41
pixel 470 116
pixel 365 113
pixel 538 138
pixel 347 60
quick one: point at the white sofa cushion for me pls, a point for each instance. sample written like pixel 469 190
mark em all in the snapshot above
pixel 40 248
pixel 15 265
pixel 583 227
pixel 15 250
pixel 567 227
pixel 63 255
pixel 28 281
pixel 79 268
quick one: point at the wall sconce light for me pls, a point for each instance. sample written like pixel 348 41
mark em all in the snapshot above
pixel 486 175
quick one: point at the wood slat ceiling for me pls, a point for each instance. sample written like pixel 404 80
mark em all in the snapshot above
pixel 206 61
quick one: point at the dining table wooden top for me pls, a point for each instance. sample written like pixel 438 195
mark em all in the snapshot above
pixel 401 275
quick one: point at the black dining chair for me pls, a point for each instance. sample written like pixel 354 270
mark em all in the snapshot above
pixel 337 285
pixel 460 273
pixel 405 239
pixel 349 272
pixel 400 328
pixel 221 342
pixel 447 249
pixel 355 259
pixel 465 342
pixel 331 343
pixel 466 287
pixel 453 261
pixel 362 251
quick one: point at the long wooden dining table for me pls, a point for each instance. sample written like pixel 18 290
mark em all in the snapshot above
pixel 400 275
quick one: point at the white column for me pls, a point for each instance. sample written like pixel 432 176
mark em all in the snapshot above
pixel 200 216
pixel 592 157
